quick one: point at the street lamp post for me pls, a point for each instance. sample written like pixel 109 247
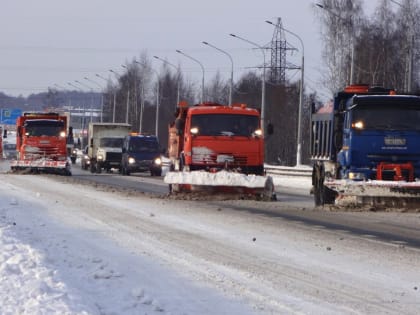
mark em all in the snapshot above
pixel 141 99
pixel 91 99
pixel 128 95
pixel 202 69
pixel 106 80
pixel 115 96
pixel 231 69
pixel 263 79
pixel 157 99
pixel 157 104
pixel 102 95
pixel 302 76
pixel 83 116
pixel 353 35
pixel 177 79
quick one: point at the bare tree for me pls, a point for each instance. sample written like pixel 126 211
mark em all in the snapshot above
pixel 218 90
pixel 384 49
pixel 340 23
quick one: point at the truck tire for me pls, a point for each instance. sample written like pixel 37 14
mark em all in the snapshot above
pixel 156 173
pixel 322 194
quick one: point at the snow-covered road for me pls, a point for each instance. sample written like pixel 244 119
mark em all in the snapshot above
pixel 74 249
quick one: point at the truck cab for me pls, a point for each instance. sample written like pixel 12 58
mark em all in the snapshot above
pixel 141 153
pixel 105 145
pixel 369 134
pixel 213 137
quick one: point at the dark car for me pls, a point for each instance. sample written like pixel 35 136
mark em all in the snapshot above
pixel 141 153
pixel 85 162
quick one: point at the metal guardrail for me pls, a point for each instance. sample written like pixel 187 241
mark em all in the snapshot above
pixel 288 171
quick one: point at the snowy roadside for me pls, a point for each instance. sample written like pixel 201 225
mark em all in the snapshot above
pixel 48 268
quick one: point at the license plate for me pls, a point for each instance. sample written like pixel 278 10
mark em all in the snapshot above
pixel 394 141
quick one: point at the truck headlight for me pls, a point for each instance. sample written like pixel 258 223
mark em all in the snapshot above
pixel 131 160
pixel 158 161
pixel 62 134
pixel 100 157
pixel 357 176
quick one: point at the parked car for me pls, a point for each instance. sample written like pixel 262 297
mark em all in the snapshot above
pixel 141 153
pixel 85 161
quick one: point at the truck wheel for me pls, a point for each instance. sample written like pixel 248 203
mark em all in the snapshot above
pixel 322 194
pixel 156 173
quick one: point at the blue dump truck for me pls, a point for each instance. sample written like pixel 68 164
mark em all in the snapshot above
pixel 365 148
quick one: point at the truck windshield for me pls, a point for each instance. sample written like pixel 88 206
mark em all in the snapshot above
pixel 111 142
pixel 386 117
pixel 225 124
pixel 38 128
pixel 138 145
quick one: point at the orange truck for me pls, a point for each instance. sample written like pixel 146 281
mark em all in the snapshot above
pixel 214 147
pixel 41 143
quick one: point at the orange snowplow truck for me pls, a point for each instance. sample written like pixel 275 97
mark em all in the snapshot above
pixel 41 143
pixel 217 139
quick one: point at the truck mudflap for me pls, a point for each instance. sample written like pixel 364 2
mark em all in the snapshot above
pixel 61 167
pixel 376 193
pixel 222 182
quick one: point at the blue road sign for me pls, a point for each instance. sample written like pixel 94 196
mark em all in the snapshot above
pixel 9 116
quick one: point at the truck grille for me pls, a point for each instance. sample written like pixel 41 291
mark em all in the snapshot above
pixel 237 160
pixel 38 152
pixel 113 156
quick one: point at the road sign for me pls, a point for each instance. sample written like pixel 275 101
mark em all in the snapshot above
pixel 9 116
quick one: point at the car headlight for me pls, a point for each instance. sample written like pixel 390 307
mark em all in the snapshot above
pixel 86 157
pixel 74 151
pixel 131 160
pixel 100 157
pixel 258 133
pixel 357 176
pixel 158 161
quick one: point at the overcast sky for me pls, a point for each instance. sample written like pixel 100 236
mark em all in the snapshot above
pixel 52 42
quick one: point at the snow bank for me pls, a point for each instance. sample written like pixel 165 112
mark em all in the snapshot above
pixel 222 178
pixel 27 285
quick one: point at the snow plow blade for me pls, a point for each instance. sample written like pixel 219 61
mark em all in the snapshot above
pixel 376 193
pixel 222 182
pixel 41 165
